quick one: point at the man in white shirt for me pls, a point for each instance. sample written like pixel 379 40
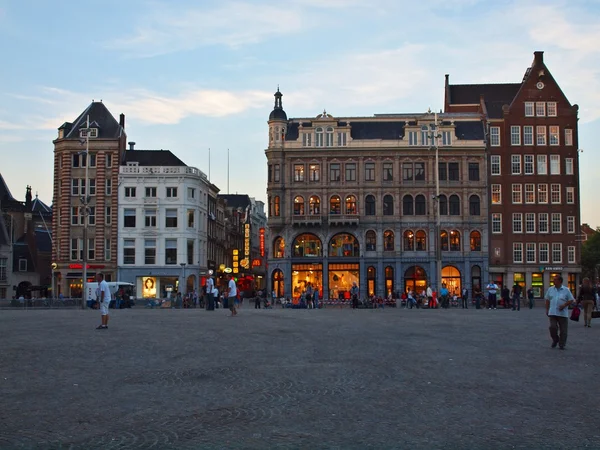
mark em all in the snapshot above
pixel 231 295
pixel 103 299
pixel 210 299
pixel 558 298
pixel 492 289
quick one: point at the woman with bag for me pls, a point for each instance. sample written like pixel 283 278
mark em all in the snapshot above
pixel 587 297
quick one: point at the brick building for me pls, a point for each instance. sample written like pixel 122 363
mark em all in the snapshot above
pixel 533 176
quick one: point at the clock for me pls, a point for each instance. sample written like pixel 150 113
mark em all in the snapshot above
pixel 539 85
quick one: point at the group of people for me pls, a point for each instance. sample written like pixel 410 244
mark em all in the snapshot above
pixel 511 298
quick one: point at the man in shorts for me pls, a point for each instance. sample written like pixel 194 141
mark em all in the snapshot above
pixel 231 295
pixel 103 300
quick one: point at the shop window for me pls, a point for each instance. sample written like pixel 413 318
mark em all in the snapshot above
pixel 409 241
pixel 388 241
pixel 371 280
pixel 344 245
pixel 335 205
pixel 371 241
pixel 279 248
pixel 452 279
pixel 421 241
pixel 389 281
pixel 475 239
pixel 307 245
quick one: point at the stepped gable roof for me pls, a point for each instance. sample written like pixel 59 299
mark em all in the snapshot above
pixel 471 130
pixel 100 117
pixel 236 200
pixel 163 158
pixel 377 130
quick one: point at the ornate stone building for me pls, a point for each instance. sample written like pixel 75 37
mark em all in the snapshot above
pixel 354 199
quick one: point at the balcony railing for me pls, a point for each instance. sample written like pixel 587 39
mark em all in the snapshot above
pixel 307 220
pixel 343 219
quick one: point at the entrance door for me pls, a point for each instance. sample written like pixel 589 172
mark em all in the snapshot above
pixel 415 278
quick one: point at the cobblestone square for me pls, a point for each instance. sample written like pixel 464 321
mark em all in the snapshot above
pixel 333 378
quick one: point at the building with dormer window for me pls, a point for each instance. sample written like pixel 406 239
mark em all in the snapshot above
pixel 354 199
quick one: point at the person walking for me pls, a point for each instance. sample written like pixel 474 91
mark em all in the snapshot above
pixel 492 288
pixel 587 297
pixel 530 297
pixel 309 296
pixel 103 300
pixel 209 304
pixel 354 295
pixel 477 295
pixel 232 293
pixel 445 296
pixel 505 295
pixel 558 298
pixel 316 297
pixel 516 297
pixel 465 298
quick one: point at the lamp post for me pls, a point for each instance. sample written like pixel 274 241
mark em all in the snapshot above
pixel 85 200
pixel 434 136
pixel 182 277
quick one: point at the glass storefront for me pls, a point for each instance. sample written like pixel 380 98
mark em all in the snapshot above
pixel 340 279
pixel 519 278
pixel 415 279
pixel 475 278
pixel 389 281
pixel 307 245
pixel 343 245
pixel 371 280
pixel 551 280
pixel 498 278
pixel 537 284
pixel 278 287
pixel 572 283
pixel 451 278
pixel 303 274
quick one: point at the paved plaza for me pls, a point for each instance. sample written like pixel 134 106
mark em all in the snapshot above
pixel 333 378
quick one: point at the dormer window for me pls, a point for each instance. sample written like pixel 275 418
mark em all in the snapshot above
pixel 307 139
pixel 93 133
pixel 329 137
pixel 319 137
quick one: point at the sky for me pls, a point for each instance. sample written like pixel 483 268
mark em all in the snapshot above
pixel 194 75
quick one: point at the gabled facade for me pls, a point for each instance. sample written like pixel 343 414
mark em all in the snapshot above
pixel 354 199
pixel 533 177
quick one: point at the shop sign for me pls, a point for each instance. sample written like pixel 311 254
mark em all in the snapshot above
pixel 227 270
pixel 256 262
pixel 261 234
pixel 552 268
pixel 236 260
pixel 247 240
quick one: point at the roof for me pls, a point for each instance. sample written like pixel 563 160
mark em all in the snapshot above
pixel 236 200
pixel 470 130
pixel 163 158
pixel 4 190
pixel 108 127
pixel 4 240
pixel 377 130
pixel 469 94
pixel 39 206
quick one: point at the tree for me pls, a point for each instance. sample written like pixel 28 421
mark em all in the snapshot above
pixel 590 255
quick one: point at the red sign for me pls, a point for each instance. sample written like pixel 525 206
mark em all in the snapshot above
pixel 88 266
pixel 256 262
pixel 261 232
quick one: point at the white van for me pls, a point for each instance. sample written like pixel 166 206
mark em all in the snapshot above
pixel 113 286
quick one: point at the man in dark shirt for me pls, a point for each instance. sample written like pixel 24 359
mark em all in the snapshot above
pixel 516 297
pixel 505 293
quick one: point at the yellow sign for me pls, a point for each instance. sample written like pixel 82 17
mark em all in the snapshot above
pixel 247 240
pixel 148 287
pixel 245 263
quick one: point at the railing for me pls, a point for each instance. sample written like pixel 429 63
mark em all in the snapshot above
pixel 307 220
pixel 157 170
pixel 344 219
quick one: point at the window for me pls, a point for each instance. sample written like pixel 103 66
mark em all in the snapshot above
pixel 407 205
pixel 388 171
pixel 568 166
pixel 329 137
pixel 424 135
pixel 528 164
pixel 170 251
pixel 408 241
pixel 495 136
pixel 554 164
pixel 130 192
pixel 314 206
pixel 350 171
pixel 568 136
pixel 517 223
pixel 556 223
pixel 555 193
pixel 542 193
pixel 314 172
pixel 453 173
pixel 191 193
pixel 335 205
pixel 298 172
pixel 75 186
pixel 22 265
pixel 556 252
pixel 388 205
pixel 150 218
pixel 92 186
pixel 474 205
pixel 553 136
pixel 91 215
pixel 571 224
pixel 412 138
pixel 542 165
pixel 371 241
pixel 515 135
pixel 530 193
pixel 370 205
pixel 454 203
pixel 276 173
pixel 92 160
pixel 529 222
pixel 530 252
pixel 190 251
pixel 128 251
pixel 475 240
pixel 149 251
pixel 421 241
pixel 419 171
pixel 473 171
pixel 191 216
pixel 529 112
pixel 108 159
pixel 276 206
pixel 442 171
pixel 107 250
pixel 517 252
pixel 3 269
pixel 516 164
pixel 571 254
pixel 496 194
pixel 76 217
pixel 447 138
pixel 342 138
pixel 407 172
pixel 369 171
pixel 298 205
pixel 551 109
pixel 454 241
pixel 443 205
pixel 171 218
pixel 171 192
pixel 517 193
pixel 319 137
pixel 495 163
pixel 540 109
pixel 420 205
pixel 543 222
pixel 107 215
pixel 77 160
pixel 91 248
pixel 108 186
pixel 544 252
pixel 528 135
pixel 388 241
pixel 307 139
pixel 150 192
pixel 334 172
pixel 129 218
pixel 76 249
pixel 496 223
pixel 541 134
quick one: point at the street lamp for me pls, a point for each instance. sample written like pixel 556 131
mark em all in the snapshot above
pixel 434 136
pixel 182 277
pixel 85 201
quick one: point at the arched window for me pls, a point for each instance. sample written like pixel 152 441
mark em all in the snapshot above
pixel 329 137
pixel 443 205
pixel 371 280
pixel 474 205
pixel 319 137
pixel 421 241
pixel 371 241
pixel 277 286
pixel 279 248
pixel 454 241
pixel 444 240
pixel 454 205
pixel 409 241
pixel 351 205
pixel 420 206
pixel 475 241
pixel 344 245
pixel 370 205
pixel 277 134
pixel 314 205
pixel 407 205
pixel 276 206
pixel 475 277
pixel 298 205
pixel 335 205
pixel 388 241
pixel 389 281
pixel 451 279
pixel 388 205
pixel 306 245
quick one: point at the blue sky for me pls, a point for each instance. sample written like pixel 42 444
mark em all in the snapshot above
pixel 194 75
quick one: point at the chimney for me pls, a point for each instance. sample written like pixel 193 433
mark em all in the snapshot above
pixel 538 57
pixel 122 120
pixel 131 145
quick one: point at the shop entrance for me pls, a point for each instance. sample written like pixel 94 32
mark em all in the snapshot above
pixel 303 274
pixel 415 278
pixel 451 278
pixel 277 281
pixel 341 277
